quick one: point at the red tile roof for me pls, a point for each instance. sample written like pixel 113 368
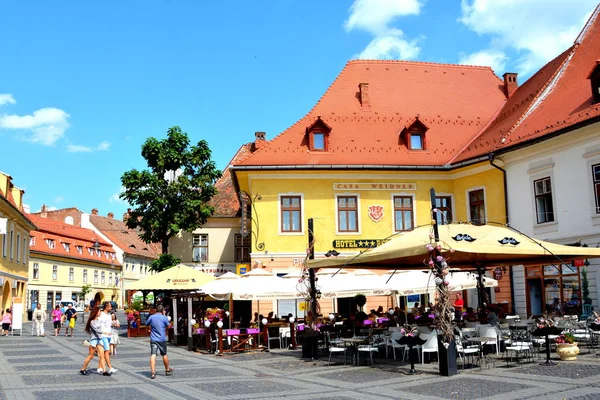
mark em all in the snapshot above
pixel 455 101
pixel 60 233
pixel 557 97
pixel 125 238
pixel 226 202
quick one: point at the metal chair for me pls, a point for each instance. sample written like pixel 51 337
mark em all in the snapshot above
pixel 368 348
pixel 273 335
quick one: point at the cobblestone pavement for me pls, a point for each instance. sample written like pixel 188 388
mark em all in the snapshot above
pixel 47 368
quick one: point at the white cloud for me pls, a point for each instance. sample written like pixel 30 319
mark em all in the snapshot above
pixel 376 17
pixel 114 198
pixel 390 47
pixel 76 148
pixel 538 30
pixel 492 58
pixel 47 125
pixel 104 145
pixel 59 199
pixel 7 99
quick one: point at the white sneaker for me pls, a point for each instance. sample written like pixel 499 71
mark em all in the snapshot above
pixel 113 370
pixel 100 372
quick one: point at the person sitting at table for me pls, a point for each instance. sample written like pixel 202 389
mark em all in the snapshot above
pixel 372 315
pixel 379 311
pixel 270 317
pixel 492 317
pixel 415 310
pixel 471 315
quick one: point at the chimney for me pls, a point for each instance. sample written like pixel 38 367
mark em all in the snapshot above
pixel 94 211
pixel 510 83
pixel 44 211
pixel 260 139
pixel 110 215
pixel 126 215
pixel 364 96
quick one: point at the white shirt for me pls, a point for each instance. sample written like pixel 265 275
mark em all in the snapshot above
pixel 106 324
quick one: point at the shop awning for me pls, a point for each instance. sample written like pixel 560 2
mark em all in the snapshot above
pixel 179 277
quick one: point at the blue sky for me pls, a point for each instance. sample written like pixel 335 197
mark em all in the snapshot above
pixel 84 83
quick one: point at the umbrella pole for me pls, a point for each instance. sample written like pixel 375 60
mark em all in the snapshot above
pixel 480 289
pixel 231 312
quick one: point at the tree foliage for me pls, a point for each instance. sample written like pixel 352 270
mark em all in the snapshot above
pixel 85 289
pixel 585 286
pixel 164 261
pixel 173 194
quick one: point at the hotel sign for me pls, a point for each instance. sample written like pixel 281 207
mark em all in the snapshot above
pixel 374 186
pixel 358 243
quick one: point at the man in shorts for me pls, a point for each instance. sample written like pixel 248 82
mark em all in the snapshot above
pixel 69 314
pixel 158 324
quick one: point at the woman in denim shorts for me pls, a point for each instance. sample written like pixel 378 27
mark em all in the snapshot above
pixel 93 327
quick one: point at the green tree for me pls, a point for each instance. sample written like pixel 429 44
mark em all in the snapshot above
pixel 85 289
pixel 173 194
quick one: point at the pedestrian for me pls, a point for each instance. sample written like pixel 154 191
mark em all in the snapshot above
pixel 70 315
pixel 114 339
pixel 56 319
pixel 39 317
pixel 94 328
pixel 458 308
pixel 158 324
pixel 6 322
pixel 106 334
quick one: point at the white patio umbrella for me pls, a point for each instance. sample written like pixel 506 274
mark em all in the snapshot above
pixel 220 288
pixel 260 284
pixel 350 284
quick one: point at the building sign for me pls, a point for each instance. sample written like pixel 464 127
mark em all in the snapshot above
pixel 498 273
pixel 375 186
pixel 376 213
pixel 358 243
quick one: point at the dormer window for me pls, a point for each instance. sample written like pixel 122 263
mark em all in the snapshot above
pixel 79 249
pixel 413 135
pixel 51 244
pixel 318 136
pixel 416 141
pixel 32 241
pixel 594 78
pixel 67 247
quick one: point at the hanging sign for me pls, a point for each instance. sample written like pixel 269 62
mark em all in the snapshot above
pixel 498 273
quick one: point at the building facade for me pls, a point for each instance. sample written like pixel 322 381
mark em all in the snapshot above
pixel 362 162
pixel 63 259
pixel 15 227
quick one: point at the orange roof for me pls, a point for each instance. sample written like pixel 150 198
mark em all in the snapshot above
pixel 226 202
pixel 454 101
pixel 59 233
pixel 125 238
pixel 556 98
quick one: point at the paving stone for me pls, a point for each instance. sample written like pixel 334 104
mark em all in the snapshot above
pixel 91 394
pixel 464 388
pixel 250 356
pixel 194 373
pixel 255 386
pixel 32 352
pixel 66 365
pixel 594 396
pixel 138 363
pixel 289 365
pixel 41 361
pixel 571 371
pixel 360 375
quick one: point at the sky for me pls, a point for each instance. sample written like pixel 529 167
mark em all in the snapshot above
pixel 84 83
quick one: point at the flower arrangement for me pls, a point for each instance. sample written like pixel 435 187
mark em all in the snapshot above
pixel 565 338
pixel 212 313
pixel 543 322
pixel 132 315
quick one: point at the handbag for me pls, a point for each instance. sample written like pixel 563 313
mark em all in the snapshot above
pixel 72 323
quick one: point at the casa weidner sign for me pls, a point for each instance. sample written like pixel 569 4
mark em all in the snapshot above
pixel 374 186
pixel 358 243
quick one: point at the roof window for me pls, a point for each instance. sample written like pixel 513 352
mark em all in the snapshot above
pixel 594 78
pixel 51 244
pixel 413 135
pixel 318 136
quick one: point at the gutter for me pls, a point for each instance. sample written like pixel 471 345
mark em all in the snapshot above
pixel 510 272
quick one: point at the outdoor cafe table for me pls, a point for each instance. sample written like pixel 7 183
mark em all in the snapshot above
pixel 481 341
pixel 547 332
pixel 354 343
pixel 239 341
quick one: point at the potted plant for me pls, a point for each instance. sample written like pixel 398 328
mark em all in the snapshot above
pixel 566 347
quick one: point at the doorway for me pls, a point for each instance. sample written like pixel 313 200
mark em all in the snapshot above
pixel 534 291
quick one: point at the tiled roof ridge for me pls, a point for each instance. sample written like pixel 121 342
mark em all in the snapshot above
pixel 588 25
pixel 544 91
pixel 421 63
pixel 61 229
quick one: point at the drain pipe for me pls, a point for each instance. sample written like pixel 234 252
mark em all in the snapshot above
pixel 510 273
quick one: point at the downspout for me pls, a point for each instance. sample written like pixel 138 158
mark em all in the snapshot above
pixel 510 273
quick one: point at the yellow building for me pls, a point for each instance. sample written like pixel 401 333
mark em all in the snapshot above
pixel 14 233
pixel 362 162
pixel 64 258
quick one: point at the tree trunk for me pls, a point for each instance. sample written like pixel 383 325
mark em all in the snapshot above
pixel 165 246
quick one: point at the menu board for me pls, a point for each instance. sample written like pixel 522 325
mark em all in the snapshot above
pixel 144 317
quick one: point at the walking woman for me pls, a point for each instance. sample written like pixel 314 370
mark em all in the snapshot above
pixel 56 318
pixel 6 321
pixel 94 328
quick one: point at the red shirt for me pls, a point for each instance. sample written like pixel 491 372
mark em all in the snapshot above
pixel 458 304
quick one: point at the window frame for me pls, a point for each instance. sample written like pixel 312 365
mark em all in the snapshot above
pixel 95 276
pixel 281 210
pixel 337 214
pixel 394 209
pixel 195 246
pixel 103 277
pixel 421 137
pixel 596 186
pixel 5 241
pixel 312 141
pixel 545 195
pixel 347 210
pixel 450 198
pixel 36 271
pixel 84 276
pixel 55 272
pixel 241 248
pixel 18 250
pixel 470 205
pixel 71 274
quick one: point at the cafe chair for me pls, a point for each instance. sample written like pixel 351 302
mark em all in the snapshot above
pixel 491 332
pixel 286 335
pixel 273 335
pixel 393 343
pixel 368 348
pixel 463 353
pixel 337 349
pixel 430 346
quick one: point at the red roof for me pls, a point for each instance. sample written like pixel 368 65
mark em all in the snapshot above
pixel 59 233
pixel 125 238
pixel 454 101
pixel 558 96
